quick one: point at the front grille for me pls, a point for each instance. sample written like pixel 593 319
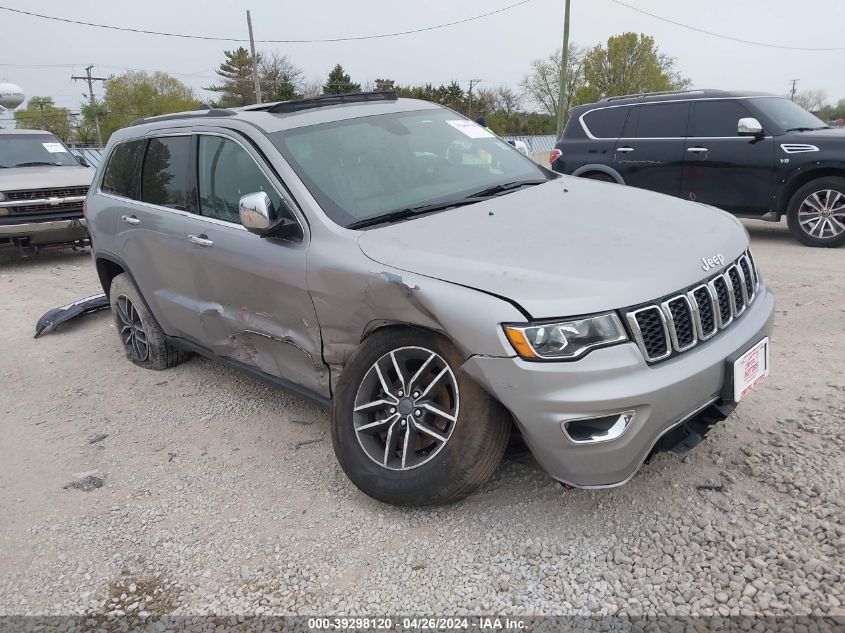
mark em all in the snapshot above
pixel 682 321
pixel 652 328
pixel 41 208
pixel 37 194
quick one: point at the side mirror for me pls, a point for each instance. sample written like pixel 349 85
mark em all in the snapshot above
pixel 81 160
pixel 749 127
pixel 258 216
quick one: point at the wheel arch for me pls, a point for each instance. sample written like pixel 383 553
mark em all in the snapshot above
pixel 801 178
pixel 601 169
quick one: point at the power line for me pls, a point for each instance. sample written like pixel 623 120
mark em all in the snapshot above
pixel 239 39
pixel 720 35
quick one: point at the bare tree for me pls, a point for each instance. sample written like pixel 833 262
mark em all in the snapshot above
pixel 542 83
pixel 508 100
pixel 281 79
pixel 312 88
pixel 811 100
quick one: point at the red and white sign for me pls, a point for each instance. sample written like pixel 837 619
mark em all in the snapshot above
pixel 751 369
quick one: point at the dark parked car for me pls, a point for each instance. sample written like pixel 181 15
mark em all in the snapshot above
pixel 756 156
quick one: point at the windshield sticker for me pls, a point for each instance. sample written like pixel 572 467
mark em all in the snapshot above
pixel 55 148
pixel 471 129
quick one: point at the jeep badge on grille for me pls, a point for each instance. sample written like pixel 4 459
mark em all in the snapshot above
pixel 713 262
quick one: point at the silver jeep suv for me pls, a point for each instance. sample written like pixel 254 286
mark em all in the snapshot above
pixel 433 286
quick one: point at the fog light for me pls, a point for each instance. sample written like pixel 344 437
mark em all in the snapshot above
pixel 595 430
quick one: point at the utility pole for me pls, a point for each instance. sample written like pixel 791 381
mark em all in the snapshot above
pixel 472 84
pixel 254 59
pixel 792 92
pixel 93 100
pixel 563 97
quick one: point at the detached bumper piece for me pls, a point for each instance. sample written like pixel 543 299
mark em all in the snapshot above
pixel 691 433
pixel 55 317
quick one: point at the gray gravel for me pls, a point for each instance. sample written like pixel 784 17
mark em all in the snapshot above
pixel 221 495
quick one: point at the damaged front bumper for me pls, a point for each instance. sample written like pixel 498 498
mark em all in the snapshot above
pixel 55 317
pixel 616 383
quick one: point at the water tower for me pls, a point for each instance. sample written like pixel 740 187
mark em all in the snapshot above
pixel 11 96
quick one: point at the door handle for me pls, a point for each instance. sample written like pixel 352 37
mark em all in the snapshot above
pixel 130 219
pixel 624 150
pixel 698 150
pixel 200 240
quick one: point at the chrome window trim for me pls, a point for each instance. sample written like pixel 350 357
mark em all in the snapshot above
pixel 196 216
pixel 638 335
pixel 665 138
pixel 670 322
pixel 714 307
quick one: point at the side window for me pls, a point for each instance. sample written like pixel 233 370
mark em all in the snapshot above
pixel 164 177
pixel 717 118
pixel 121 175
pixel 226 172
pixel 607 122
pixel 662 120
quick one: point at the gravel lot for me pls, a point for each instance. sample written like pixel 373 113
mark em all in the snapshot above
pixel 221 494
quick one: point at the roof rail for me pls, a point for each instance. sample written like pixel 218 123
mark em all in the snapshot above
pixel 191 114
pixel 329 100
pixel 654 94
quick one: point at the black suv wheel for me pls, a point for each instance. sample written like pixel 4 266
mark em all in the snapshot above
pixel 408 428
pixel 142 338
pixel 816 214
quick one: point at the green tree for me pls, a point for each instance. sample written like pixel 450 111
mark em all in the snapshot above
pixel 338 82
pixel 137 94
pixel 41 113
pixel 629 64
pixel 236 86
pixel 542 83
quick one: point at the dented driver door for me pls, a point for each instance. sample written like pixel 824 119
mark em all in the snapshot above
pixel 252 294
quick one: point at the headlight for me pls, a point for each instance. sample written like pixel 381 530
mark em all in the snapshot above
pixel 2 196
pixel 565 340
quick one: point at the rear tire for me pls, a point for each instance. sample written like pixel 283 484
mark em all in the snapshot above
pixel 143 341
pixel 816 213
pixel 445 436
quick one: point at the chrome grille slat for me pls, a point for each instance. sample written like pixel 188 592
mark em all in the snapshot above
pixel 36 194
pixel 680 322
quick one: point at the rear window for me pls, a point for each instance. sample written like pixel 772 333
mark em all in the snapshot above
pixel 121 175
pixel 661 120
pixel 717 118
pixel 164 178
pixel 607 122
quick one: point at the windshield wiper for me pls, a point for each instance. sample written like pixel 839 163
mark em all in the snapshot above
pixel 803 129
pixel 505 187
pixel 404 214
pixel 38 163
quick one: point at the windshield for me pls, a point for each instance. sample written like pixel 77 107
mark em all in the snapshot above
pixel 33 150
pixel 787 115
pixel 370 166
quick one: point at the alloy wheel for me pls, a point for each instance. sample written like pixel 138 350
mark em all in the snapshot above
pixel 132 329
pixel 822 214
pixel 406 408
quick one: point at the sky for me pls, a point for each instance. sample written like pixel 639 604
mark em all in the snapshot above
pixel 496 49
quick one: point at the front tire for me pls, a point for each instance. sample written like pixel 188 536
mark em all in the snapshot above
pixel 816 213
pixel 143 341
pixel 436 442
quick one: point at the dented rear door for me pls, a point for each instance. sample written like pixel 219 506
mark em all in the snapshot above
pixel 251 291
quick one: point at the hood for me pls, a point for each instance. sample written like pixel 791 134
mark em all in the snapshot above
pixel 565 248
pixel 24 178
pixel 832 134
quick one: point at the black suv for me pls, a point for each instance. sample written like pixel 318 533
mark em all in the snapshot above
pixel 753 155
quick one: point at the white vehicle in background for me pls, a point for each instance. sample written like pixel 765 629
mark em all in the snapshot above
pixel 520 146
pixel 42 188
